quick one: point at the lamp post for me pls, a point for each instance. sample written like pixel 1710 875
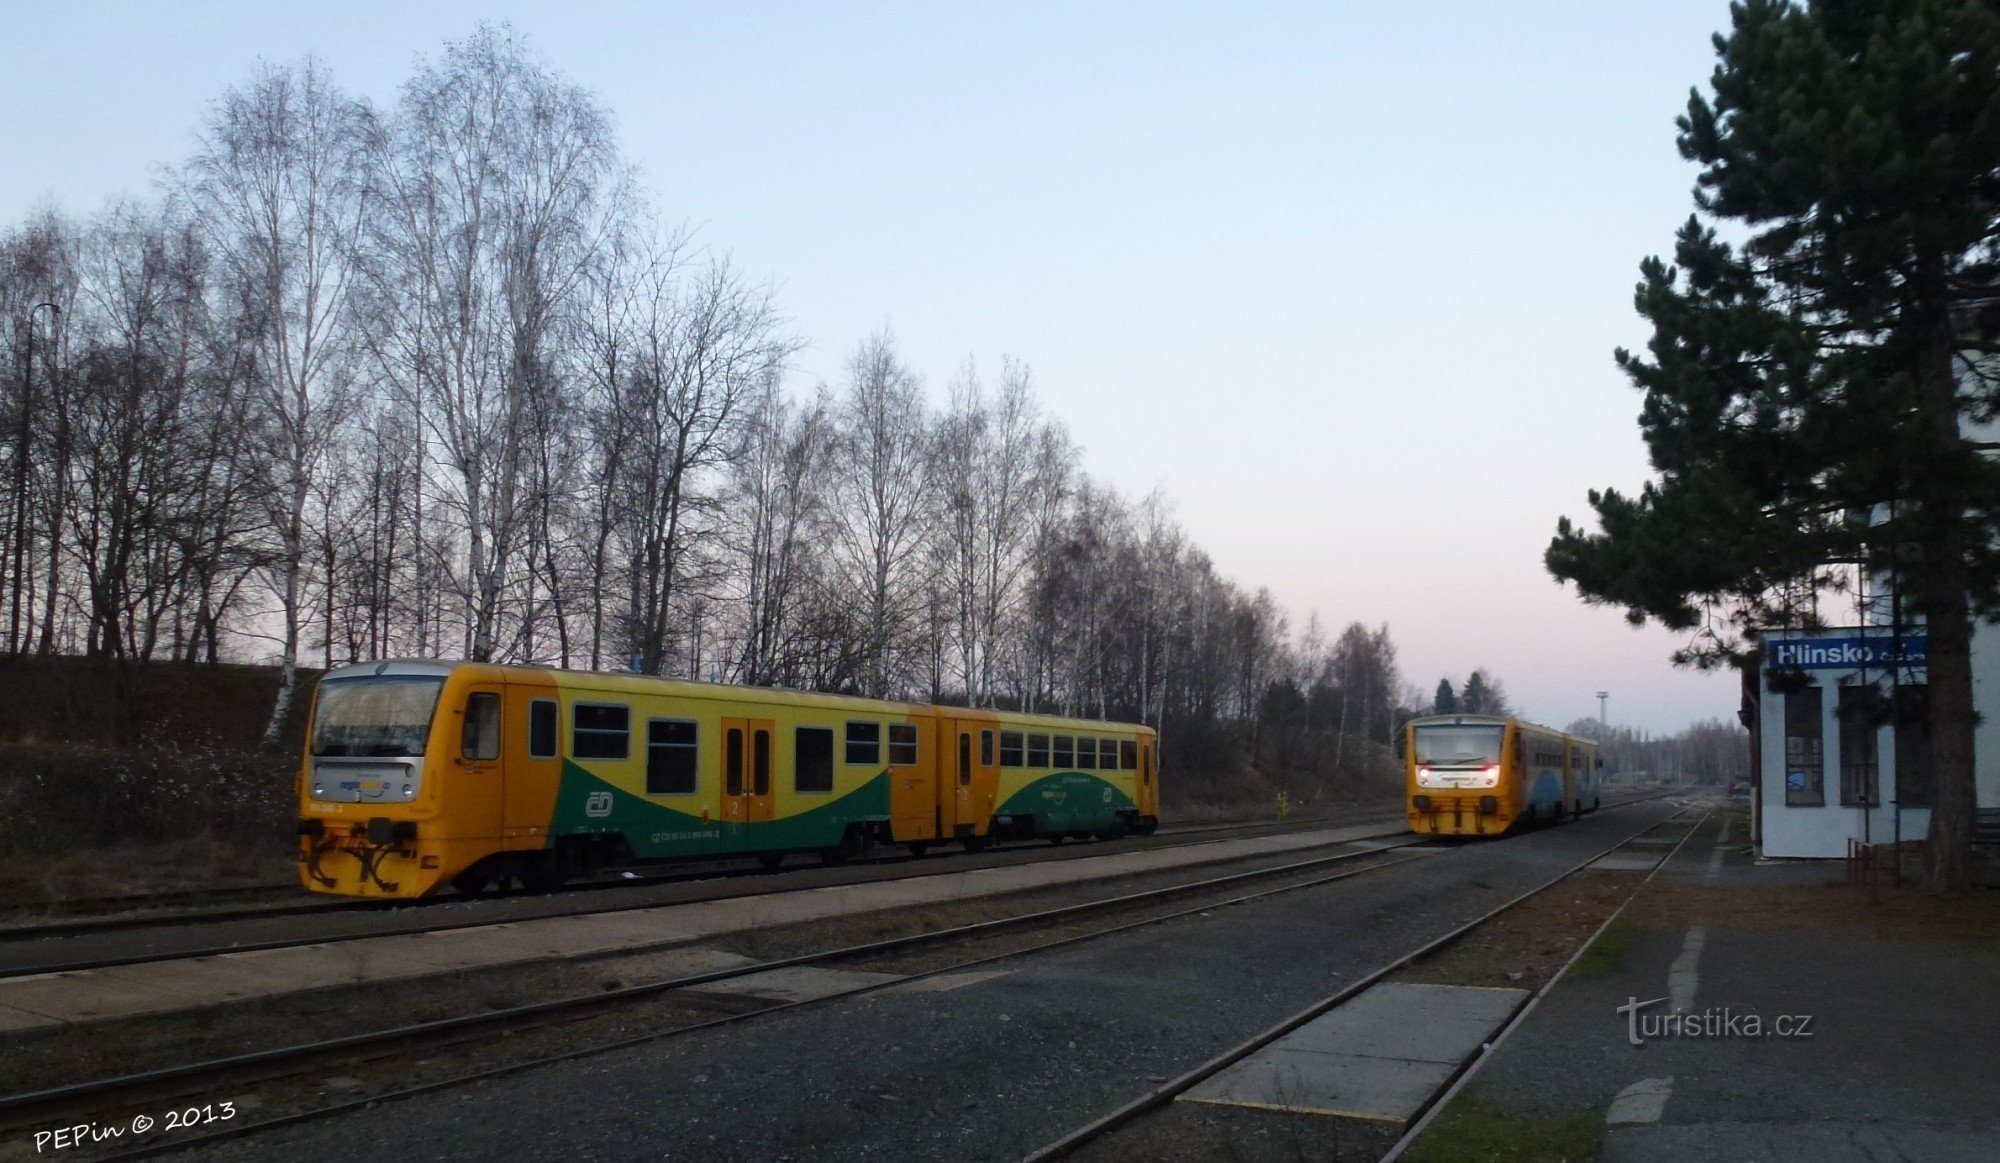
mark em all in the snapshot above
pixel 22 440
pixel 1603 717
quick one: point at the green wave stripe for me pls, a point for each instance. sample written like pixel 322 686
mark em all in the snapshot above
pixel 655 830
pixel 1068 801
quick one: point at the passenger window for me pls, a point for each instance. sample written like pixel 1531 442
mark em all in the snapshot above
pixel 542 729
pixel 1107 754
pixel 482 725
pixel 1010 749
pixel 812 762
pixel 670 757
pixel 1038 751
pixel 600 731
pixel 1086 753
pixel 733 763
pixel 1128 754
pixel 1064 754
pixel 902 744
pixel 761 753
pixel 986 749
pixel 864 743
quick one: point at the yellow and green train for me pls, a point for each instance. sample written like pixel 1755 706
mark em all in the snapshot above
pixel 1482 775
pixel 419 774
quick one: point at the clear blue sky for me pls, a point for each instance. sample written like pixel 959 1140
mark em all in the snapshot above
pixel 1342 278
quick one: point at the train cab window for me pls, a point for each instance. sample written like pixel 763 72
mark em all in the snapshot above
pixel 600 731
pixel 760 765
pixel 812 762
pixel 1063 753
pixel 1086 753
pixel 1038 751
pixel 670 757
pixel 902 744
pixel 1011 751
pixel 542 729
pixel 864 743
pixel 732 765
pixel 482 726
pixel 986 749
pixel 1128 754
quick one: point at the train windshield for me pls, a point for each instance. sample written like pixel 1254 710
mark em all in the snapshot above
pixel 1459 745
pixel 375 716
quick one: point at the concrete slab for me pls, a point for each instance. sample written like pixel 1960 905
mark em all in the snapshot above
pixel 1626 862
pixel 1347 1085
pixel 1380 1056
pixel 12 1020
pixel 946 982
pixel 796 983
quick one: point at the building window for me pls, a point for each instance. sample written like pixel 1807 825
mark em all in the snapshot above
pixel 864 743
pixel 1913 747
pixel 812 762
pixel 902 744
pixel 1011 752
pixel 1038 751
pixel 482 726
pixel 670 757
pixel 600 731
pixel 1855 707
pixel 1064 754
pixel 1805 749
pixel 542 729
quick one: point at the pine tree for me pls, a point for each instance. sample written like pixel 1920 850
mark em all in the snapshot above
pixel 1476 701
pixel 1807 392
pixel 1446 702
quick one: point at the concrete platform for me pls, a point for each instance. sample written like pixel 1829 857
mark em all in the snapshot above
pixel 1381 1056
pixel 198 982
pixel 796 983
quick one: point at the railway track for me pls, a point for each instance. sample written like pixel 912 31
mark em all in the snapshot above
pixel 965 947
pixel 22 951
pixel 351 1055
pixel 193 907
pixel 1094 1134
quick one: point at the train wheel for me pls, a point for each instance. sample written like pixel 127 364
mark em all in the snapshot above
pixel 770 860
pixel 542 876
pixel 473 881
pixel 1058 838
pixel 917 847
pixel 853 842
pixel 976 843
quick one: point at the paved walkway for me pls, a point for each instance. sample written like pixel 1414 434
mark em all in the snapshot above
pixel 50 999
pixel 1754 1012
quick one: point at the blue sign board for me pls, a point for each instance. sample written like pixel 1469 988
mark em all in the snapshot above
pixel 1848 652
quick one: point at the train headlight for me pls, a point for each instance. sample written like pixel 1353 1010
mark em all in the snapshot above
pixel 1490 777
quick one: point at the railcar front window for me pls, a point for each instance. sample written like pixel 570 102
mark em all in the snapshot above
pixel 1458 745
pixel 375 716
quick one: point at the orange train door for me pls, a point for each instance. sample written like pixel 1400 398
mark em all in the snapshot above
pixel 975 773
pixel 746 770
pixel 913 788
pixel 533 722
pixel 478 772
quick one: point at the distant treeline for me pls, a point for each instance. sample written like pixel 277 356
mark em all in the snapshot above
pixel 435 379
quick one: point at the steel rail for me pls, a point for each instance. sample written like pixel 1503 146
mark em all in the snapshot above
pixel 692 872
pixel 1472 1066
pixel 901 865
pixel 859 952
pixel 1168 1091
pixel 100 1087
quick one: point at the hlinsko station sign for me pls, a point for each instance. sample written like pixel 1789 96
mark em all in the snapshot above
pixel 1852 651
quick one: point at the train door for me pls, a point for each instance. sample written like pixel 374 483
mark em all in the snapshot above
pixel 533 749
pixel 478 770
pixel 1149 785
pixel 975 773
pixel 914 810
pixel 746 770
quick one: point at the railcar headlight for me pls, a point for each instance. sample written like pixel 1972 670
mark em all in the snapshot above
pixel 1490 778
